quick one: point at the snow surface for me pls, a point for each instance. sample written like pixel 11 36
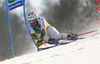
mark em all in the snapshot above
pixel 85 51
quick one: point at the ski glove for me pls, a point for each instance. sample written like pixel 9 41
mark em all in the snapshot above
pixel 39 42
pixel 34 36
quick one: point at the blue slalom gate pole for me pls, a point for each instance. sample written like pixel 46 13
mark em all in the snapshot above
pixel 27 24
pixel 10 33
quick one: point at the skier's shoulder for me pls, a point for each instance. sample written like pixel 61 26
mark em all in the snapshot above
pixel 41 19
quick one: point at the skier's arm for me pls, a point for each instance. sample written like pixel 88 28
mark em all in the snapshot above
pixel 43 29
pixel 32 32
pixel 34 36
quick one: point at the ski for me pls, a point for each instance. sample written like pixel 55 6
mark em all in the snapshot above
pixel 53 46
pixel 57 44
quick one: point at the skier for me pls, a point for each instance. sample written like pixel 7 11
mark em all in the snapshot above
pixel 40 29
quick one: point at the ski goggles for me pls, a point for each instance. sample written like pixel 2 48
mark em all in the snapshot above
pixel 33 21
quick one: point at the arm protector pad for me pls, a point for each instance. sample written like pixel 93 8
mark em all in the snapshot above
pixel 43 33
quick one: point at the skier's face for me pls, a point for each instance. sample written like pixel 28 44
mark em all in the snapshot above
pixel 33 24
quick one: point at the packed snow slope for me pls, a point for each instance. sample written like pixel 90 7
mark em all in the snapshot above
pixel 85 51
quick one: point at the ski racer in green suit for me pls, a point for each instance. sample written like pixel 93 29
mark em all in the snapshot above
pixel 40 29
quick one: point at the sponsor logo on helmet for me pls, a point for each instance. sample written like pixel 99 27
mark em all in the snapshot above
pixel 11 1
pixel 29 14
pixel 32 14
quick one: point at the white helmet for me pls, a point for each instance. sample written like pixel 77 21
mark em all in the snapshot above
pixel 31 16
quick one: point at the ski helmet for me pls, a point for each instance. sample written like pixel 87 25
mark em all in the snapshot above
pixel 32 16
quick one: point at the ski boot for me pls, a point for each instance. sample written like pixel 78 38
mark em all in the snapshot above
pixel 73 38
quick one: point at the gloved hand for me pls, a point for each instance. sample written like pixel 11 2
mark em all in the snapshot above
pixel 34 36
pixel 39 42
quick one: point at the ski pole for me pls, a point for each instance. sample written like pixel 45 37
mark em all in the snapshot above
pixel 72 36
pixel 80 34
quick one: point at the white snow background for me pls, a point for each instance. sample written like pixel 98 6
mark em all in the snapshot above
pixel 85 51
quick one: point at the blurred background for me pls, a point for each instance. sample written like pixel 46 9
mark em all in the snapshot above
pixel 75 16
